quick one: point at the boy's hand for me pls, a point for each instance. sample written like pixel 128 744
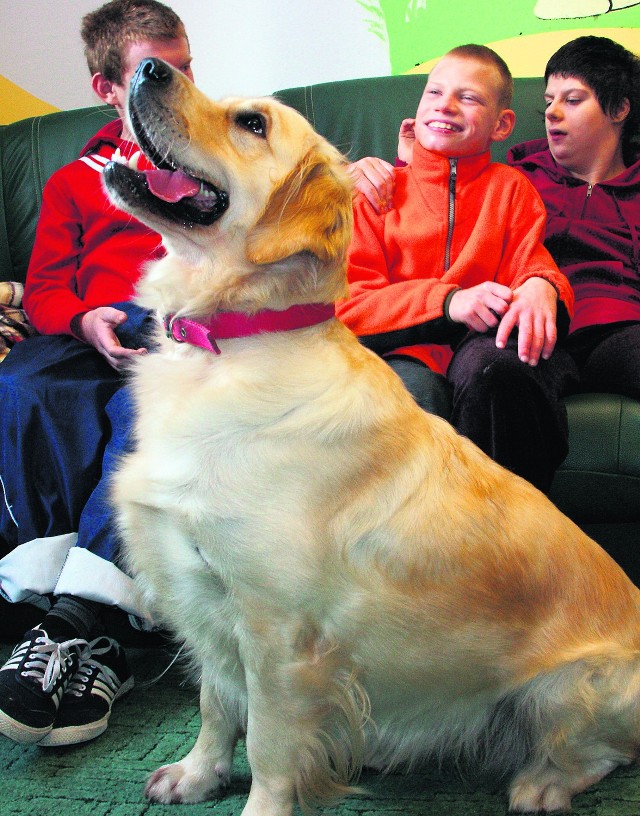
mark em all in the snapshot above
pixel 98 329
pixel 406 140
pixel 480 307
pixel 533 310
pixel 375 179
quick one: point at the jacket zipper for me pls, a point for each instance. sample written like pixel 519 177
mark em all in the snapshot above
pixel 586 198
pixel 453 165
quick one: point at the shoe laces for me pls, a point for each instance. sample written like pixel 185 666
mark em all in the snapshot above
pixel 88 665
pixel 48 660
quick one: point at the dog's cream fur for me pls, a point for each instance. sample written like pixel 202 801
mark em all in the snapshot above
pixel 356 582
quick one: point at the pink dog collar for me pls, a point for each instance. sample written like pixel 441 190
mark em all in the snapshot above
pixel 228 325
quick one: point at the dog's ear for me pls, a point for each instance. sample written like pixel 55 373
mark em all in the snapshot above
pixel 309 211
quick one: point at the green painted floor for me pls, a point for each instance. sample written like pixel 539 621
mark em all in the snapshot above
pixel 158 722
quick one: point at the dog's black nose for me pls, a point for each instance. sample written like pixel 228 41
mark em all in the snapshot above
pixel 154 70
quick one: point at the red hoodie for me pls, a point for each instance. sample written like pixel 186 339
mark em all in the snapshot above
pixel 86 253
pixel 593 233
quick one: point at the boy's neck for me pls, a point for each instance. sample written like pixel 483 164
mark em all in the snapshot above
pixel 602 170
pixel 427 152
pixel 125 133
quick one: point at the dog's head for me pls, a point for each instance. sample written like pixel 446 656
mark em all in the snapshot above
pixel 240 177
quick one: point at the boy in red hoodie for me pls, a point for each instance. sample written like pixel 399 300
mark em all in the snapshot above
pixel 58 686
pixel 66 416
pixel 453 285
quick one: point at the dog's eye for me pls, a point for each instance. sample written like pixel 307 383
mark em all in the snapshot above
pixel 254 122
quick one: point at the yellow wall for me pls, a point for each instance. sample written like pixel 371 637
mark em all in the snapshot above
pixel 18 103
pixel 526 56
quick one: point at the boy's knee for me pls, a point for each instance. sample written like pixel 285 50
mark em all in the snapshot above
pixel 485 365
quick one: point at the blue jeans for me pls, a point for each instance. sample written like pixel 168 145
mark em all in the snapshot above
pixel 66 419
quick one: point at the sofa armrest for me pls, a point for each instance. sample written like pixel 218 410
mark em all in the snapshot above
pixel 30 151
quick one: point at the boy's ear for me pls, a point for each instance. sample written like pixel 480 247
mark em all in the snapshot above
pixel 505 125
pixel 623 111
pixel 103 89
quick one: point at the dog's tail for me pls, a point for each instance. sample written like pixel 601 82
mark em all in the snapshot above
pixel 580 716
pixel 572 725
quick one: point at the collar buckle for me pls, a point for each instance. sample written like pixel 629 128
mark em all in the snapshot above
pixel 169 321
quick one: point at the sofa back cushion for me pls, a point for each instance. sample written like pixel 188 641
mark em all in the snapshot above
pixel 361 117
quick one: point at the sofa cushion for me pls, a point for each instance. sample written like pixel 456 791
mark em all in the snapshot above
pixel 599 481
pixel 14 325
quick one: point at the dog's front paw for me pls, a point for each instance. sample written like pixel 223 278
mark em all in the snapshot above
pixel 176 784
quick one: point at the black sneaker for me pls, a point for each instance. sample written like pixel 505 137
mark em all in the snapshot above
pixel 32 683
pixel 101 678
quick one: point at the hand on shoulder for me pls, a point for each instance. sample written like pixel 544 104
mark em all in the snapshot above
pixel 375 179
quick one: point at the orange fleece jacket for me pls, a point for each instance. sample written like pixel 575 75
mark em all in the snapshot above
pixel 398 277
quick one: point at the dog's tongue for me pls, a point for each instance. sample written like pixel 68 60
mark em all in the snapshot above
pixel 171 185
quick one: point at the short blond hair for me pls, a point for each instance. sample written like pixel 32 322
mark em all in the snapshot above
pixel 486 55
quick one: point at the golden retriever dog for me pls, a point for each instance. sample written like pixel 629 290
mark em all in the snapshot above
pixel 357 584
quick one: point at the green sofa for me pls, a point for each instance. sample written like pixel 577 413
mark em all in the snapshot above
pixel 599 483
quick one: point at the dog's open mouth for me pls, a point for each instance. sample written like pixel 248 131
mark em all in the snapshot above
pixel 165 188
pixel 173 194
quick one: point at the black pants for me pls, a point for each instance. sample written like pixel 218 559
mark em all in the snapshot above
pixel 512 410
pixel 509 409
pixel 608 358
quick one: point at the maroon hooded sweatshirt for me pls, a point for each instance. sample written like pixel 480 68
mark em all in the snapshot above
pixel 593 234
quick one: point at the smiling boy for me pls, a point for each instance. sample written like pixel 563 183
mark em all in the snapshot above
pixel 455 279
